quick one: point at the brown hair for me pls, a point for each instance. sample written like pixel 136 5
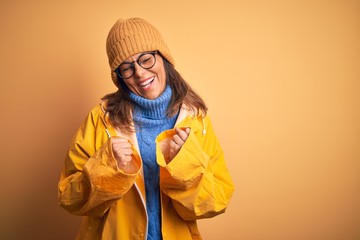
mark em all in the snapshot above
pixel 119 106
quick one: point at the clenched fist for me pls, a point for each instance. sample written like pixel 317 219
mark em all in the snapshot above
pixel 122 152
pixel 177 141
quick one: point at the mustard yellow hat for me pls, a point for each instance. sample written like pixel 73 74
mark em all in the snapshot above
pixel 129 37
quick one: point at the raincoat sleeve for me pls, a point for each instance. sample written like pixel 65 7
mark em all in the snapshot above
pixel 90 180
pixel 197 179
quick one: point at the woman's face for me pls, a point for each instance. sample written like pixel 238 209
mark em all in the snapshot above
pixel 147 83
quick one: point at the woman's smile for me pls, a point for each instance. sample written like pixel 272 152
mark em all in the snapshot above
pixel 146 83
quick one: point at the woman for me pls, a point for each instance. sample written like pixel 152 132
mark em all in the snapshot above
pixel 145 163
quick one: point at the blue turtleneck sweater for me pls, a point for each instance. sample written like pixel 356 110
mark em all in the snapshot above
pixel 150 120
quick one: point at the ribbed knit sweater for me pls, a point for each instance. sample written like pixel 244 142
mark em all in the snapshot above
pixel 150 120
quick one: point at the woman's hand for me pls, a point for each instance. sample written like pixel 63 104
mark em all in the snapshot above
pixel 177 141
pixel 122 152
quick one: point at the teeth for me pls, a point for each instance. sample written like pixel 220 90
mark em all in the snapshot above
pixel 146 82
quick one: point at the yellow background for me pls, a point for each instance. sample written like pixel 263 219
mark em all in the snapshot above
pixel 281 79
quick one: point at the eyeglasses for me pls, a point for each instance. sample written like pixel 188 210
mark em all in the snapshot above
pixel 146 60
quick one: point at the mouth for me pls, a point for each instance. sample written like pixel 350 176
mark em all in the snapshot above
pixel 147 82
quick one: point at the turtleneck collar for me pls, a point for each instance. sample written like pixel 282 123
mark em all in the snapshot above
pixel 152 108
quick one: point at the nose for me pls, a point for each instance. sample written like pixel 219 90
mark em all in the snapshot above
pixel 138 70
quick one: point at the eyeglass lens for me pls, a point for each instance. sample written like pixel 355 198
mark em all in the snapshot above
pixel 145 60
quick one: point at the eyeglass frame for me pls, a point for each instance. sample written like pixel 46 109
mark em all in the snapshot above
pixel 132 64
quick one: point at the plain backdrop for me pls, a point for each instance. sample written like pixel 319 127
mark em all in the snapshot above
pixel 281 79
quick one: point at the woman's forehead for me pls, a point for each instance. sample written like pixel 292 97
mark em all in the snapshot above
pixel 133 57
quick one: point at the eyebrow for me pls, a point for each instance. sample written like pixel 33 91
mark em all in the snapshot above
pixel 135 60
pixel 128 62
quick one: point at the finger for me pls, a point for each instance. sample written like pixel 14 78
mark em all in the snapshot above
pixel 127 151
pixel 184 129
pixel 119 145
pixel 127 159
pixel 182 134
pixel 121 151
pixel 177 140
pixel 124 162
pixel 174 149
pixel 175 145
pixel 119 139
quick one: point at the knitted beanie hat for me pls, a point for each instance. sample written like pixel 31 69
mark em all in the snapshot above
pixel 129 37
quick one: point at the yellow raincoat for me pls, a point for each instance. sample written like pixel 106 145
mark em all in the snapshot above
pixel 195 184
